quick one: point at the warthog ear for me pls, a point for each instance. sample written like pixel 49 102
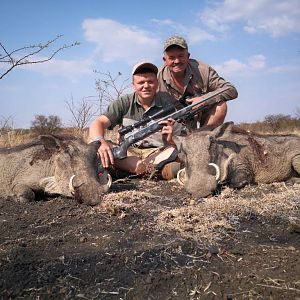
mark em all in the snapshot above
pixel 223 129
pixel 50 142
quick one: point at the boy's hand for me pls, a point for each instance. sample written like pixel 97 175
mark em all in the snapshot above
pixel 105 154
pixel 167 130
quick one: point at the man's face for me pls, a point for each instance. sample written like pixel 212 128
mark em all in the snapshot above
pixel 145 85
pixel 176 58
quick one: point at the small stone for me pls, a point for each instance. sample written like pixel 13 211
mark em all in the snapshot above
pixel 83 239
pixel 192 202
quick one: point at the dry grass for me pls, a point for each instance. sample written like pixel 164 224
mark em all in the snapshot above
pixel 262 128
pixel 122 202
pixel 215 218
pixel 15 137
pixel 209 220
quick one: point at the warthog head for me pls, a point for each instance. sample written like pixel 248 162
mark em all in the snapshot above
pixel 233 156
pixel 75 170
pixel 206 161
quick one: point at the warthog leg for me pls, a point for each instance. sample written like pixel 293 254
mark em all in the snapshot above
pixel 23 193
pixel 296 167
pixel 296 163
pixel 240 176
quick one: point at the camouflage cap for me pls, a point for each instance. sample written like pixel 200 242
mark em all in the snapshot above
pixel 175 40
pixel 144 65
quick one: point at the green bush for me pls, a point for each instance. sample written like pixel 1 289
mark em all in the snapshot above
pixel 46 125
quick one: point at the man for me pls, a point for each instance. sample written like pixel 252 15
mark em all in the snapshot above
pixel 182 77
pixel 151 153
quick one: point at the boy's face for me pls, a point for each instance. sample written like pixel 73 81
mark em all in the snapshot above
pixel 145 85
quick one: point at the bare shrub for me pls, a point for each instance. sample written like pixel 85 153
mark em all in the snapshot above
pixel 82 113
pixel 6 124
pixel 109 88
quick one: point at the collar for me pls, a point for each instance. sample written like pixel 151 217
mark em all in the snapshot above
pixel 156 102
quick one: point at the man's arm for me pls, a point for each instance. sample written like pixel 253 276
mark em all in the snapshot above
pixel 98 127
pixel 215 82
pixel 97 133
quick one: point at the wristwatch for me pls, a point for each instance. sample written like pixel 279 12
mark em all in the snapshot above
pixel 98 138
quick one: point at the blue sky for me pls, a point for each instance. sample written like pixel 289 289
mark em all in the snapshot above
pixel 253 44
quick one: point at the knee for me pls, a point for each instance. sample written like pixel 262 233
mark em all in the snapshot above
pixel 216 115
pixel 221 109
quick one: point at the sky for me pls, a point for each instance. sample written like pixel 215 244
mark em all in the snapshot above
pixel 253 44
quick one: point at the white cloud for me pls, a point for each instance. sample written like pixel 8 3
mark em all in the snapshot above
pixel 192 34
pixel 275 17
pixel 234 66
pixel 285 69
pixel 118 41
pixel 230 67
pixel 257 62
pixel 165 22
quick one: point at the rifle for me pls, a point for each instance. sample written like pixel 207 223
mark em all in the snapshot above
pixel 145 127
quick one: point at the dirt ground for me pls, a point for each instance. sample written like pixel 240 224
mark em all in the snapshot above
pixel 151 240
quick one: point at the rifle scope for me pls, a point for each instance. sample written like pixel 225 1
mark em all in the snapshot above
pixel 145 120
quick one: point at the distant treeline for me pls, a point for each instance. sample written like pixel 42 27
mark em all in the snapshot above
pixel 275 124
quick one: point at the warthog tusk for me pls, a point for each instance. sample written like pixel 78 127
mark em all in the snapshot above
pixel 71 187
pixel 218 173
pixel 109 182
pixel 179 176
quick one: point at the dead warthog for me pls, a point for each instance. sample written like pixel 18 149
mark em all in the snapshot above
pixel 53 165
pixel 232 156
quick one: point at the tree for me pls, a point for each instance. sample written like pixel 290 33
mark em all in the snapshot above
pixel 82 112
pixel 45 125
pixel 280 122
pixel 6 124
pixel 298 113
pixel 28 54
pixel 109 88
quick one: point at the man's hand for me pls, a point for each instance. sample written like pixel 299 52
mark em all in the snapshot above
pixel 105 154
pixel 195 100
pixel 167 131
